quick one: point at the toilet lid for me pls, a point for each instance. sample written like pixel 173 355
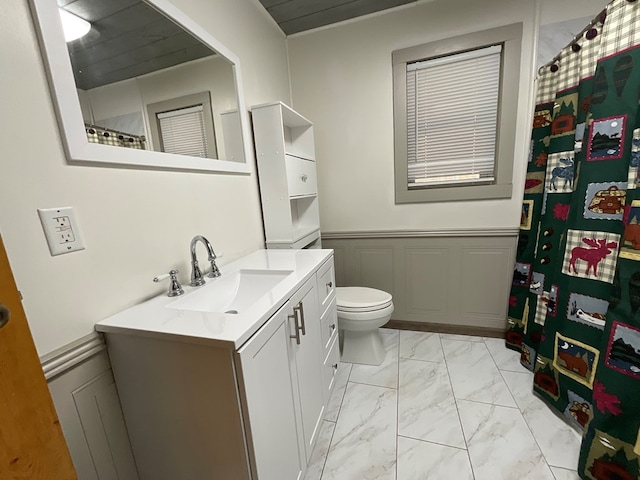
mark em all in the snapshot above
pixel 361 299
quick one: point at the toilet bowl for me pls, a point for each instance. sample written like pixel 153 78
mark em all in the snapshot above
pixel 361 311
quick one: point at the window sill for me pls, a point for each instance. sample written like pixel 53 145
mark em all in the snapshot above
pixel 452 194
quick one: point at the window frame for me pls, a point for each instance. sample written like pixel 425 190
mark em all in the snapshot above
pixel 186 101
pixel 510 37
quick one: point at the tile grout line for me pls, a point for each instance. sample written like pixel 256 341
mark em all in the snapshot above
pixel 398 406
pixel 432 443
pixel 455 399
pixel 522 413
pixel 372 385
pixel 488 403
pixel 420 359
pixel 501 376
pixel 326 456
pixel 344 392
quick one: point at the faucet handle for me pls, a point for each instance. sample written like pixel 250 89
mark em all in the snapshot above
pixel 215 271
pixel 175 288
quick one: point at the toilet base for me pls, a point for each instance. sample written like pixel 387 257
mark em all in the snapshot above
pixel 363 347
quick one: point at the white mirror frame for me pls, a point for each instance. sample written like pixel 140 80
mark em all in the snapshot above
pixel 63 89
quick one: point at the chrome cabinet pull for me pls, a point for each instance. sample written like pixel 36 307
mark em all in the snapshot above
pixel 330 284
pixel 300 308
pixel 5 315
pixel 297 327
pixel 332 327
pixel 304 177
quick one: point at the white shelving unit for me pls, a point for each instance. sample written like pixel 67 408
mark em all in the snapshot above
pixel 287 174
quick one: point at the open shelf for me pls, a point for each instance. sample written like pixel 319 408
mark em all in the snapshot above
pixel 298 141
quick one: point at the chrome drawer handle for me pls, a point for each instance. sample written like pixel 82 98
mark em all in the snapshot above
pixel 330 284
pixel 297 327
pixel 335 366
pixel 332 326
pixel 304 177
pixel 300 308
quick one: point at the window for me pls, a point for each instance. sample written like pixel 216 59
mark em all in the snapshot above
pixel 453 142
pixel 182 131
pixel 455 105
pixel 184 126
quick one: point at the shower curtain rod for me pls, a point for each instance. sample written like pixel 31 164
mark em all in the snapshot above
pixel 576 38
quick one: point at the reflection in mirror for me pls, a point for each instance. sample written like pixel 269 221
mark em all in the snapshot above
pixel 145 84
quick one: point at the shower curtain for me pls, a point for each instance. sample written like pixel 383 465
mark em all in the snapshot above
pixel 576 282
pixel 107 136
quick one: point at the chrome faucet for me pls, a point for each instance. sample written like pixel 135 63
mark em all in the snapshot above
pixel 196 273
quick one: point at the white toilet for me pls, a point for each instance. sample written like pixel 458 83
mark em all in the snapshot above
pixel 361 311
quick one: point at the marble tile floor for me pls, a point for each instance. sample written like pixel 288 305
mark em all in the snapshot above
pixel 441 407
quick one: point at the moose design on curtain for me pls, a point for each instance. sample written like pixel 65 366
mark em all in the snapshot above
pixel 576 282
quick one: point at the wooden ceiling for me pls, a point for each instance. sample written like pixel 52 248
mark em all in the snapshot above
pixel 129 38
pixel 294 16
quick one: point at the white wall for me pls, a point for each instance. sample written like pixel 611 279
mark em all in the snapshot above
pixel 136 223
pixel 112 100
pixel 341 79
pixel 211 74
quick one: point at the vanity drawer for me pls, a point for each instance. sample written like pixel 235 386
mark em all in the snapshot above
pixel 301 176
pixel 326 284
pixel 328 326
pixel 330 368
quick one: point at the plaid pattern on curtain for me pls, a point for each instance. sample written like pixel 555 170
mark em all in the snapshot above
pixel 106 136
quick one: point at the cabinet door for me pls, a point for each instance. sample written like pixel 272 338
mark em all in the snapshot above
pixel 307 361
pixel 268 401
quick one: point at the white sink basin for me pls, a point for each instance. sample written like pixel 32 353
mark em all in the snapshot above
pixel 232 293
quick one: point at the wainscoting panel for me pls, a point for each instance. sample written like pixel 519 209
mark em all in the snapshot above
pixel 85 396
pixel 374 267
pixel 456 278
pixel 426 290
pixel 482 304
pixel 340 266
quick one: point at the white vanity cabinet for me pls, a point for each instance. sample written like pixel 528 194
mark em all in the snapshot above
pixel 306 364
pixel 197 409
pixel 286 161
pixel 275 405
pixel 265 384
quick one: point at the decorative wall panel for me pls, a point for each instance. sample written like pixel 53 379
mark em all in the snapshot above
pixel 441 278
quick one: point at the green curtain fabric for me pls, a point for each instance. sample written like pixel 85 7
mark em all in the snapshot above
pixel 576 282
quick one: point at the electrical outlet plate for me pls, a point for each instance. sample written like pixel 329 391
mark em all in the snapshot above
pixel 61 229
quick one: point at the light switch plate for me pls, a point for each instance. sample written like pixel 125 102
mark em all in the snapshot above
pixel 61 229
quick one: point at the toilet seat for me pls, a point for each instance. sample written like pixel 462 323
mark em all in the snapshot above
pixel 361 299
pixel 364 317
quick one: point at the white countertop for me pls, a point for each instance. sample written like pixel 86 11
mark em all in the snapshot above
pixel 153 318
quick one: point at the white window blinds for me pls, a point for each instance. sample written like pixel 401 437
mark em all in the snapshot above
pixel 452 110
pixel 183 131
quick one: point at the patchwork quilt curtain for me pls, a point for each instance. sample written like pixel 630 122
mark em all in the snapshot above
pixel 106 136
pixel 573 309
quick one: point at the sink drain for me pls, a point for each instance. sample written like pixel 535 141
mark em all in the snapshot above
pixel 232 312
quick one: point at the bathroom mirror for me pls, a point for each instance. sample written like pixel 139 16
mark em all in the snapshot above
pixel 125 91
